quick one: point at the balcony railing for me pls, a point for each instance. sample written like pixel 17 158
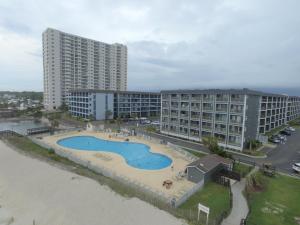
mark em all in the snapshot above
pixel 236 121
pixel 184 107
pixel 221 109
pixel 196 99
pixel 236 110
pixel 208 108
pixel 224 120
pixel 222 99
pixel 206 118
pixel 222 130
pixel 235 132
pixel 195 108
pixel 206 127
pixel 185 98
pixel 239 100
pixel 197 117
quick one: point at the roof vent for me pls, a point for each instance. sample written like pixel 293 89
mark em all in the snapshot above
pixel 201 164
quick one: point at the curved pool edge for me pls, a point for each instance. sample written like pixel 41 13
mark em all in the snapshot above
pixel 127 162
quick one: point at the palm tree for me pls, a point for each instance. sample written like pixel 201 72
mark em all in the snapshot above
pixel 118 121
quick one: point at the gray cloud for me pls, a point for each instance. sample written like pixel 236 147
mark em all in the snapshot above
pixel 171 44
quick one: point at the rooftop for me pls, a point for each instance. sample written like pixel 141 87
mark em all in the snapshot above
pixel 111 91
pixel 243 91
pixel 209 162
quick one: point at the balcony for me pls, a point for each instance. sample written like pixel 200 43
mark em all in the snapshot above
pixel 196 98
pixel 184 116
pixel 220 130
pixel 195 125
pixel 185 98
pixel 207 108
pixel 184 107
pixel 174 114
pixel 207 126
pixel 235 130
pixel 222 98
pixel 237 98
pixel 221 109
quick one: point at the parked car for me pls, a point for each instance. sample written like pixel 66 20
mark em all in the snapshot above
pixel 286 132
pixel 274 140
pixel 291 129
pixel 296 167
pixel 281 137
pixel 155 123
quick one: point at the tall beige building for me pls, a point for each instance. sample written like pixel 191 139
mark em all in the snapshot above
pixel 73 62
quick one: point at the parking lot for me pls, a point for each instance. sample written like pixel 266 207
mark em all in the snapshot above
pixel 284 155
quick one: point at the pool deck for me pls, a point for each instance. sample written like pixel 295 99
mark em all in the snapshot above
pixel 150 179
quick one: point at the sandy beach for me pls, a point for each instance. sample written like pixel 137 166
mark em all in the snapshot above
pixel 34 192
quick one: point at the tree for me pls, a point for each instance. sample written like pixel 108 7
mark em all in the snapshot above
pixel 118 122
pixel 211 143
pixel 54 124
pixel 63 107
pixel 91 117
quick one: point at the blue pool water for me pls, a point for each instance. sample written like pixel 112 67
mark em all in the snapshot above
pixel 136 155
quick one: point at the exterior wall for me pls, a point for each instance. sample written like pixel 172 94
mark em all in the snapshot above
pixel 272 112
pixel 82 104
pixel 194 175
pixel 122 104
pixel 52 68
pixel 252 117
pixel 233 116
pixel 194 116
pixel 104 102
pixel 136 104
pixel 293 109
pixel 73 62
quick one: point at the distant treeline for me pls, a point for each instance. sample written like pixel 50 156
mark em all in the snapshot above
pixel 24 94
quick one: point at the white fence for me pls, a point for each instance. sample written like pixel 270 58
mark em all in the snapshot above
pixel 188 194
pixel 135 184
pixel 106 172
pixel 187 154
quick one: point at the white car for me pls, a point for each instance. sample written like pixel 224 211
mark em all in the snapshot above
pixel 296 167
pixel 291 128
pixel 155 123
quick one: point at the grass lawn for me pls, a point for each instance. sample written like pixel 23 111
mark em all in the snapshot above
pixel 214 196
pixel 198 154
pixel 278 204
pixel 241 168
pixel 253 152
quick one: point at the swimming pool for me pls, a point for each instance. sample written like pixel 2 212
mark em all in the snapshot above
pixel 135 154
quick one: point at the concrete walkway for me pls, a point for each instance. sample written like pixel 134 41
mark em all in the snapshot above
pixel 239 207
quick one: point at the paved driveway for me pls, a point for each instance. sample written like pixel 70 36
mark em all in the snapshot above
pixel 283 156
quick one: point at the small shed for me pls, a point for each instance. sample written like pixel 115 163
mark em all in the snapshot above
pixel 206 166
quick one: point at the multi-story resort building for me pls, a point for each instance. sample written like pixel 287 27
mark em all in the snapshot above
pixel 293 109
pixel 233 116
pixel 72 62
pixel 102 105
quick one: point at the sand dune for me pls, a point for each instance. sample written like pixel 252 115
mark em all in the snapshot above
pixel 34 192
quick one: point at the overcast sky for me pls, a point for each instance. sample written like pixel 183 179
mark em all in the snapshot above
pixel 171 43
